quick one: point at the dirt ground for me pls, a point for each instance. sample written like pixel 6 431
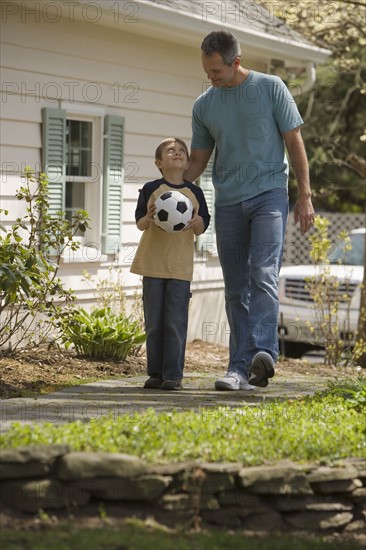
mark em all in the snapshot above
pixel 44 371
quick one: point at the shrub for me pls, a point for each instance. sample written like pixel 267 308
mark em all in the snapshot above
pixel 32 297
pixel 101 334
pixel 324 290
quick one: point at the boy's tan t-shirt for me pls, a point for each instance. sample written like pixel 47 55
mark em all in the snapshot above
pixel 162 254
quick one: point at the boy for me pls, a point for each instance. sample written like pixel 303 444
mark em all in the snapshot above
pixel 165 260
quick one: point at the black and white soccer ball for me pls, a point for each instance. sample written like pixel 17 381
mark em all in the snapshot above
pixel 173 211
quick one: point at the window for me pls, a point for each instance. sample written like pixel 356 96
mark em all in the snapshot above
pixel 84 162
pixel 79 156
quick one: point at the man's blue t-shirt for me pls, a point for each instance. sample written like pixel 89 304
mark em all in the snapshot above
pixel 244 123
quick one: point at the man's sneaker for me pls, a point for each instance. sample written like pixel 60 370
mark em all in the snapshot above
pixel 171 385
pixel 233 381
pixel 262 368
pixel 153 383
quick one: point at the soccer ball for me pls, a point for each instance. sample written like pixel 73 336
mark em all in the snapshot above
pixel 173 211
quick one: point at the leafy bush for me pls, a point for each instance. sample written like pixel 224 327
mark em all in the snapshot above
pixel 324 290
pixel 32 297
pixel 101 334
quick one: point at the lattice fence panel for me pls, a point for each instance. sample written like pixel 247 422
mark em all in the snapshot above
pixel 297 246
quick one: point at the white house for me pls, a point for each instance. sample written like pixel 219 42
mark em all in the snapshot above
pixel 89 89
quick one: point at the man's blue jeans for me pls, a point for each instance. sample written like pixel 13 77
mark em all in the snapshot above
pixel 166 303
pixel 250 237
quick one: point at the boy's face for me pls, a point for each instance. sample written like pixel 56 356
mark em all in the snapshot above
pixel 173 156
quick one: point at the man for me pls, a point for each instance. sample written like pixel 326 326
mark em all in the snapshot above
pixel 249 118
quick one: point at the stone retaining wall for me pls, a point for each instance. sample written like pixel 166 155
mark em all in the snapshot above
pixel 282 497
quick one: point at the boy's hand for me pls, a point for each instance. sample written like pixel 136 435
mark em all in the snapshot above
pixel 144 222
pixel 196 224
pixel 150 213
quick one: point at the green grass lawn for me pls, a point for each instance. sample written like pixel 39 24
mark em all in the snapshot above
pixel 325 427
pixel 138 537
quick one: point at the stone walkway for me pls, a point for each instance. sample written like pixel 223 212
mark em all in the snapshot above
pixel 126 396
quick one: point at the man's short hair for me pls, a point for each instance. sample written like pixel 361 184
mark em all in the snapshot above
pixel 223 42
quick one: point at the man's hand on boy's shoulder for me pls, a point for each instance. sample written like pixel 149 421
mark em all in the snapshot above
pixel 196 224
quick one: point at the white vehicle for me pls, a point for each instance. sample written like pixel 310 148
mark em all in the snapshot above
pixel 298 322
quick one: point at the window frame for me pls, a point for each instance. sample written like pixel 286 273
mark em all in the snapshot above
pixel 106 231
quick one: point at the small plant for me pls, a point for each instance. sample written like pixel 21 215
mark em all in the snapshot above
pixel 110 294
pixel 354 392
pixel 329 301
pixel 101 334
pixel 32 297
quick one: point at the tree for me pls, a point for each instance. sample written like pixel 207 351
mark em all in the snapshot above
pixel 334 108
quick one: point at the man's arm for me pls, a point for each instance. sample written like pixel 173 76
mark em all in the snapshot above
pixel 197 163
pixel 303 210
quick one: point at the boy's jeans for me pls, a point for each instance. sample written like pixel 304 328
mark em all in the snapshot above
pixel 166 304
pixel 250 237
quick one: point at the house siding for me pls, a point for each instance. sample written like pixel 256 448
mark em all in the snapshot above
pixel 151 83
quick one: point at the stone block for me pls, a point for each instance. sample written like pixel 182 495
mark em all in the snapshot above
pixel 358 463
pixel 358 526
pixel 313 520
pixel 238 497
pixel 358 495
pixel 336 486
pixel 145 488
pixel 278 479
pixel 79 465
pixel 45 494
pixel 290 503
pixel 225 517
pixel 326 473
pixel 269 520
pixel 30 462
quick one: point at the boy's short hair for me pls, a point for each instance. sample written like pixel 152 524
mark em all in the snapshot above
pixel 165 142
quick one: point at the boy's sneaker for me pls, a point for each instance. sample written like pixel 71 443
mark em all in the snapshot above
pixel 171 385
pixel 262 368
pixel 153 383
pixel 233 381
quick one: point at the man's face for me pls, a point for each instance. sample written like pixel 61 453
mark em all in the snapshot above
pixel 219 73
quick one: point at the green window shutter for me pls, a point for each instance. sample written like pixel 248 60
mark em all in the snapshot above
pixel 112 184
pixel 206 243
pixel 54 156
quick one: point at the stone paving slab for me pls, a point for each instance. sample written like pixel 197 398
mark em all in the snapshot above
pixel 126 396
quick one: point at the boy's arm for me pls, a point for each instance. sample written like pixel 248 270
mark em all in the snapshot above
pixel 144 213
